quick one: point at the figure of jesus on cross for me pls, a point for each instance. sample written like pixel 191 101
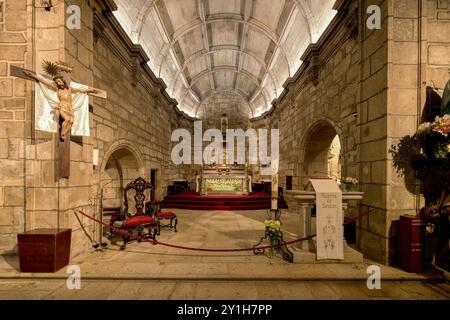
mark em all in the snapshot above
pixel 65 105
pixel 59 95
pixel 64 108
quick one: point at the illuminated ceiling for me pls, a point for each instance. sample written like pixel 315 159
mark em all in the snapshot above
pixel 201 48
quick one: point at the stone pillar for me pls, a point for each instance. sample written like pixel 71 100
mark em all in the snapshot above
pixel 51 201
pixel 14 120
pixel 305 225
pixel 372 124
pixel 405 100
pixel 398 63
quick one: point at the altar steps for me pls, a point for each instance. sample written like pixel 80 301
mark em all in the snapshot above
pixel 193 201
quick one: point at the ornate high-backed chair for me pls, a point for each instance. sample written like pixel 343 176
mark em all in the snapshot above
pixel 134 218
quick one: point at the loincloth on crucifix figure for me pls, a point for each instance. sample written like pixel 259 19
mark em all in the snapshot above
pixel 55 99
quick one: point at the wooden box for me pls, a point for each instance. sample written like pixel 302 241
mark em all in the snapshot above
pixel 44 250
pixel 411 243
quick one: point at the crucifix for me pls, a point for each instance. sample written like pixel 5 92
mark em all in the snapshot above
pixel 60 97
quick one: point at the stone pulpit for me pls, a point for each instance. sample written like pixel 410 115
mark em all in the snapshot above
pixel 323 195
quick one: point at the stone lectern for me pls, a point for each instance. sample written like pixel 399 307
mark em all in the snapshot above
pixel 325 196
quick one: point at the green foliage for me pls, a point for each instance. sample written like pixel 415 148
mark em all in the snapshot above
pixel 403 152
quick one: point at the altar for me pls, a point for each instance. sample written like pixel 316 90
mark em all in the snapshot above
pixel 224 180
pixel 224 184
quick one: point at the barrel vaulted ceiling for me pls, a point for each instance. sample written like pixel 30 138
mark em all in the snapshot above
pixel 205 47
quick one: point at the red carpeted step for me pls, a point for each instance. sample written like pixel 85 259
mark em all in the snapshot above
pixel 217 201
pixel 193 201
pixel 224 208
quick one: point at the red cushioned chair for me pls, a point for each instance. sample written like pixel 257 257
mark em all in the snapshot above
pixel 137 222
pixel 154 208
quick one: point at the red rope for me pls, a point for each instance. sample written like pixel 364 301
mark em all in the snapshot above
pixel 198 249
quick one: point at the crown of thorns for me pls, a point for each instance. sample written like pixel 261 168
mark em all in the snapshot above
pixel 54 69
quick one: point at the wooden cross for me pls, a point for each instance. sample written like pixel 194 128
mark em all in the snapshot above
pixel 64 144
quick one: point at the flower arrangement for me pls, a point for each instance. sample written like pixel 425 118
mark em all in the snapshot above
pixel 273 228
pixel 349 183
pixel 427 152
pixel 426 155
pixel 434 137
pixel 273 232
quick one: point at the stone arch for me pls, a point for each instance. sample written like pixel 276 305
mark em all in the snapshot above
pixel 317 147
pixel 121 164
pixel 124 144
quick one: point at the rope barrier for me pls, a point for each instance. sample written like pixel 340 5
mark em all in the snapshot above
pixel 155 242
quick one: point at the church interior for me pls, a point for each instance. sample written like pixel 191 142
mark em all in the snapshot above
pixel 236 150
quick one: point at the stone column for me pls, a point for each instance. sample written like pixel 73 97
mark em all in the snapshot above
pixel 51 201
pixel 14 120
pixel 305 225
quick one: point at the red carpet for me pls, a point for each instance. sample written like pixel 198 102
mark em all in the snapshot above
pixel 193 201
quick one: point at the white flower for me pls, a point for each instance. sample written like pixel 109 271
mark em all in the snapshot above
pixel 350 180
pixel 424 127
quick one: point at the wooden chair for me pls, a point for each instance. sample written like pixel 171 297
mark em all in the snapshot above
pixel 154 209
pixel 139 221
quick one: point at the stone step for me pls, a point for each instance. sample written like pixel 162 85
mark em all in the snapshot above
pixel 350 256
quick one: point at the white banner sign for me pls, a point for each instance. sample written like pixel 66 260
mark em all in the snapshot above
pixel 330 231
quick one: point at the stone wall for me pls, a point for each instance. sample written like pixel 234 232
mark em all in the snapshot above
pixel 341 89
pixel 373 236
pixel 50 201
pixel 320 102
pixel 435 42
pixel 135 112
pixel 14 45
pixel 234 106
pixel 419 45
pixel 138 116
pixel 408 54
pixel 369 85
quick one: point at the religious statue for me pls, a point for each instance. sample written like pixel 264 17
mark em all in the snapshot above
pixel 64 108
pixel 60 104
pixel 224 123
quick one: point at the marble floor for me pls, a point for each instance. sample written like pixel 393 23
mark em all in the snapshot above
pixel 146 271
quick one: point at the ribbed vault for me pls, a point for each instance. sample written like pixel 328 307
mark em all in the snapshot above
pixel 205 47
